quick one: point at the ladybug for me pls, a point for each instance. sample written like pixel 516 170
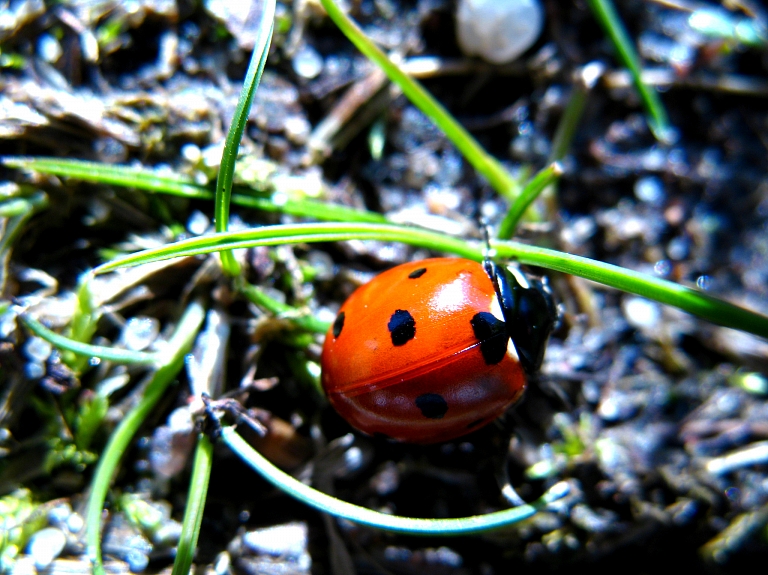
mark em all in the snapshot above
pixel 434 349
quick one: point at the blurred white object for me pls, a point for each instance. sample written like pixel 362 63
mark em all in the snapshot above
pixel 498 30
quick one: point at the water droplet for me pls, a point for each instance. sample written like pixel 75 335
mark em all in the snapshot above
pixel 704 282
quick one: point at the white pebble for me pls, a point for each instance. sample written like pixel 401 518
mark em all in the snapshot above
pixel 37 349
pixel 198 223
pixel 45 546
pixel 641 312
pixel 307 62
pixel 755 454
pixel 297 129
pixel 139 332
pixel 649 190
pixel 288 541
pixel 49 49
pixel 498 30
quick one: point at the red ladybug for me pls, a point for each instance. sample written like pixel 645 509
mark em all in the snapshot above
pixel 432 350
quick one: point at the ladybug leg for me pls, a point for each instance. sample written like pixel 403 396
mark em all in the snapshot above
pixel 214 408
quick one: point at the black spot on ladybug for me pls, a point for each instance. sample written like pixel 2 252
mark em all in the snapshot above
pixel 338 325
pixel 402 327
pixel 432 405
pixel 475 423
pixel 417 273
pixel 493 336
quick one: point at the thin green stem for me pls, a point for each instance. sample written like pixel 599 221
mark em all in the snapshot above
pixel 16 211
pixel 193 514
pixel 235 134
pixel 484 163
pixel 178 346
pixel 176 185
pixel 530 192
pixel 605 13
pixel 585 81
pixel 87 350
pixel 297 233
pixel 304 321
pixel 410 525
pixel 84 322
pixel 687 299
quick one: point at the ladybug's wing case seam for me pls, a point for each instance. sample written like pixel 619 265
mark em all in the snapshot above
pixel 396 376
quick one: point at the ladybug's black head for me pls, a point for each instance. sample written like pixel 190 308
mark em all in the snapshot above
pixel 529 312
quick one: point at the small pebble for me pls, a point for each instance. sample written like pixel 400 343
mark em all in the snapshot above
pixel 288 542
pixel 756 454
pixel 45 546
pixel 139 332
pixel 307 62
pixel 37 349
pixel 498 30
pixel 198 223
pixel 649 190
pixel 49 48
pixel 641 312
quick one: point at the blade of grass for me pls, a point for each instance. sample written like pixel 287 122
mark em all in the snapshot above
pixel 484 163
pixel 178 346
pixel 658 121
pixel 585 81
pixel 296 233
pixel 530 192
pixel 195 504
pixel 17 211
pixel 84 322
pixel 413 526
pixel 176 185
pixel 16 207
pixel 687 299
pixel 88 350
pixel 303 321
pixel 235 134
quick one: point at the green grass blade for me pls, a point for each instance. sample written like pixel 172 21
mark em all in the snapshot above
pixel 84 322
pixel 124 176
pixel 178 346
pixel 687 299
pixel 483 162
pixel 584 83
pixel 88 350
pixel 605 13
pixel 235 134
pixel 17 211
pixel 16 207
pixel 409 525
pixel 193 514
pixel 176 185
pixel 530 192
pixel 302 321
pixel 297 233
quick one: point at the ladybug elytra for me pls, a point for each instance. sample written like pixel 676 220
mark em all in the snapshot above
pixel 434 349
